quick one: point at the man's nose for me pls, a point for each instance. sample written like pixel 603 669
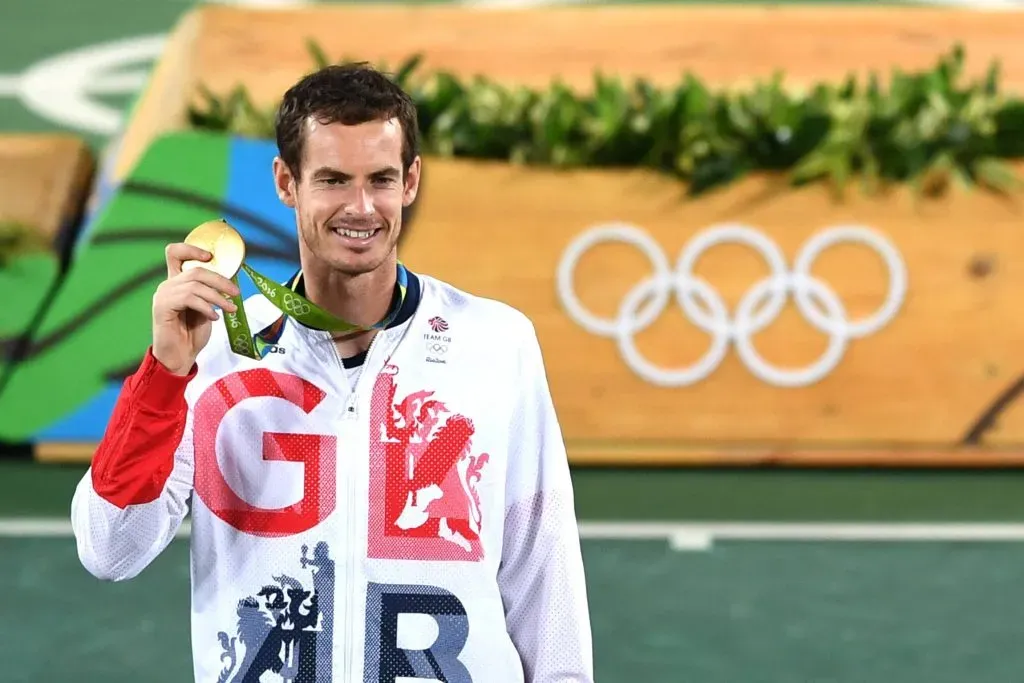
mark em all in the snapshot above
pixel 360 203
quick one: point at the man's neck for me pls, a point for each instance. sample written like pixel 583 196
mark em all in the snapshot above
pixel 363 299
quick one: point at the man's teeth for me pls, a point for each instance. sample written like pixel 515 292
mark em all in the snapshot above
pixel 358 234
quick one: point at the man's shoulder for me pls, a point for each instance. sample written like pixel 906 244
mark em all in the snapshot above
pixel 495 317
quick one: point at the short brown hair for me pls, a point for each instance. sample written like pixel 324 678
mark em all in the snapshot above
pixel 349 94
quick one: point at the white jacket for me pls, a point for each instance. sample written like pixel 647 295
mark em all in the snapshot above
pixel 419 525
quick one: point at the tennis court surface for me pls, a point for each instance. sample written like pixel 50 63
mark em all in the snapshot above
pixel 709 576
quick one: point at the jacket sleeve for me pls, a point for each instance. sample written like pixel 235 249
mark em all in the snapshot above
pixel 131 501
pixel 541 574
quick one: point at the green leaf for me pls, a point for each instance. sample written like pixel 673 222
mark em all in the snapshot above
pixel 404 74
pixel 938 175
pixel 995 175
pixel 320 59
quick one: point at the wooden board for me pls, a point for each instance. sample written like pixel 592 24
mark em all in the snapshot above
pixel 266 50
pixel 44 180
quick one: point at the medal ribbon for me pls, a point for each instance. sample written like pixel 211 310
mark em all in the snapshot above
pixel 293 305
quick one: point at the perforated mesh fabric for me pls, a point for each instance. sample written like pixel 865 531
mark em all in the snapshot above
pixel 544 589
pixel 542 578
pixel 117 544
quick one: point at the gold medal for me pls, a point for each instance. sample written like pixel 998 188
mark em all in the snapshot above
pixel 223 242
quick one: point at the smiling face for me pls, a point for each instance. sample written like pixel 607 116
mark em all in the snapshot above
pixel 349 164
pixel 349 196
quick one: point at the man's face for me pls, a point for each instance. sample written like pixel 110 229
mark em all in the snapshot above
pixel 348 201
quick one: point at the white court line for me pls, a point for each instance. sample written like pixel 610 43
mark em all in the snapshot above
pixel 701 536
pixel 682 535
pixel 10 84
pixel 799 531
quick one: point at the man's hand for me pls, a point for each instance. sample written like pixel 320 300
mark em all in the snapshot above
pixel 184 308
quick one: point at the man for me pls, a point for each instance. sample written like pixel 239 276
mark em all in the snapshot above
pixel 388 505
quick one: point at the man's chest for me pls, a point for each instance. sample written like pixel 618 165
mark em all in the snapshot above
pixel 413 448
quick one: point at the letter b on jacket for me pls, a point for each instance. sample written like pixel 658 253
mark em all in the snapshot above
pixel 386 661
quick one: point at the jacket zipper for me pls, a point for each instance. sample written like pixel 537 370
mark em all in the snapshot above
pixel 351 413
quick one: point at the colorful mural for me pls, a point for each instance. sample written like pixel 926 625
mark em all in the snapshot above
pixel 67 348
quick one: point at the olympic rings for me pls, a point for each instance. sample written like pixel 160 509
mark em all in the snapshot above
pixel 295 306
pixel 758 308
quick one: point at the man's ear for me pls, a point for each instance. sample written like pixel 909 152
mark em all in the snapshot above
pixel 412 182
pixel 284 183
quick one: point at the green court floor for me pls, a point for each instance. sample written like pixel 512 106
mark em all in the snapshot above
pixel 741 612
pixel 730 611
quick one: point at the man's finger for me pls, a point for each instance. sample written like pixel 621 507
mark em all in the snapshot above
pixel 200 305
pixel 187 288
pixel 179 252
pixel 208 277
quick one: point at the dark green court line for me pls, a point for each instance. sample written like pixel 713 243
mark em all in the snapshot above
pixel 629 494
pixel 801 495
